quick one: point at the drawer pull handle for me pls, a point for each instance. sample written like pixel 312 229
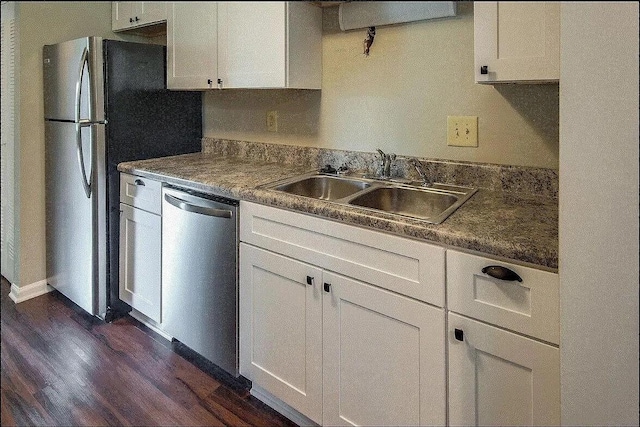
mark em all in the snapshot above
pixel 327 287
pixel 502 273
pixel 459 334
pixel 139 182
pixel 309 280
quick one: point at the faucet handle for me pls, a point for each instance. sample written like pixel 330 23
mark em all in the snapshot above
pixel 420 168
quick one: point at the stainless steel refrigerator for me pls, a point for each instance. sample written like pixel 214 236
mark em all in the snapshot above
pixel 105 102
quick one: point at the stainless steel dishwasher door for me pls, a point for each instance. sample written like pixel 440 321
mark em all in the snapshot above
pixel 200 274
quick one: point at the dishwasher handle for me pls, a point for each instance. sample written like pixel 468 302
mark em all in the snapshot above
pixel 204 210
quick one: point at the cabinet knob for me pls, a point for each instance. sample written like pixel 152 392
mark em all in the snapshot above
pixel 130 20
pixel 502 273
pixel 139 182
pixel 137 19
pixel 484 69
pixel 327 287
pixel 309 280
pixel 459 334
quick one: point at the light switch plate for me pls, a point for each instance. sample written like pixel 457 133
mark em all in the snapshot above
pixel 462 131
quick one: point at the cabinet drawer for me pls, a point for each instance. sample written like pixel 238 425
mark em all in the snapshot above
pixel 409 267
pixel 531 307
pixel 142 193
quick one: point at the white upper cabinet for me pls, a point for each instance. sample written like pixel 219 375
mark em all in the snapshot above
pixel 126 15
pixel 517 42
pixel 192 45
pixel 244 45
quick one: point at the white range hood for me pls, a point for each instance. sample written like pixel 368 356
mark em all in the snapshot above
pixel 364 14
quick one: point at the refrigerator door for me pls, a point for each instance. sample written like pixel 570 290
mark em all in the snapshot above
pixel 74 88
pixel 74 263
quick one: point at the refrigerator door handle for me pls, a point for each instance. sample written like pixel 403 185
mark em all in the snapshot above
pixel 84 59
pixel 85 183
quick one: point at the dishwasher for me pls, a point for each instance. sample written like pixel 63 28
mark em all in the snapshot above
pixel 200 274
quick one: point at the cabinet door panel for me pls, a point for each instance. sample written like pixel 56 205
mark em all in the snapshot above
pixel 517 41
pixel 140 260
pixel 133 14
pixel 384 361
pixel 192 45
pixel 252 44
pixel 281 328
pixel 121 12
pixel 152 11
pixel 500 378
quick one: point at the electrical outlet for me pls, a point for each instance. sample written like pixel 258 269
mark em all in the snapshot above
pixel 272 121
pixel 462 131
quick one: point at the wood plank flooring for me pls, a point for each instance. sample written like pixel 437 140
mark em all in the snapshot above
pixel 61 366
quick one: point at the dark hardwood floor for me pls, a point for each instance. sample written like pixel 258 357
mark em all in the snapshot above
pixel 62 367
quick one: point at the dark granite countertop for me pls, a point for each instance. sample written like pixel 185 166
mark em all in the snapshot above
pixel 521 229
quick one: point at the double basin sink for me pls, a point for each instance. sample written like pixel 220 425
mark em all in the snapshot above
pixel 432 204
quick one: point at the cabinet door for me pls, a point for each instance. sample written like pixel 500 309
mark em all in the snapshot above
pixel 252 44
pixel 281 328
pixel 121 14
pixel 140 260
pixel 517 41
pixel 383 359
pixel 151 12
pixel 497 377
pixel 192 45
pixel 133 14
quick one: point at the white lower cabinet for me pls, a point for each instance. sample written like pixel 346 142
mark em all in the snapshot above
pixel 281 328
pixel 140 260
pixel 383 357
pixel 346 326
pixel 339 351
pixel 334 321
pixel 503 336
pixel 140 248
pixel 500 378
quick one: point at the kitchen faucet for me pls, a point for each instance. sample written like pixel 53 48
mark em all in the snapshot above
pixel 386 163
pixel 420 168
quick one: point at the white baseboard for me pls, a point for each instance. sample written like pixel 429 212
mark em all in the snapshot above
pixel 22 293
pixel 281 407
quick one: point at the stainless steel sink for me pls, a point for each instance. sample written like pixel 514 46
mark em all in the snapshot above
pixel 411 202
pixel 431 204
pixel 323 187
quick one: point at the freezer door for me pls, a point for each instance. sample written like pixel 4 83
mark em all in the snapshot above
pixel 73 80
pixel 74 262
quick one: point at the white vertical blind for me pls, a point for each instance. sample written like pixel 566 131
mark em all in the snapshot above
pixel 7 146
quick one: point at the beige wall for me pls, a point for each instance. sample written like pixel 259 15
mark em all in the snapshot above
pixel 398 99
pixel 598 207
pixel 41 23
